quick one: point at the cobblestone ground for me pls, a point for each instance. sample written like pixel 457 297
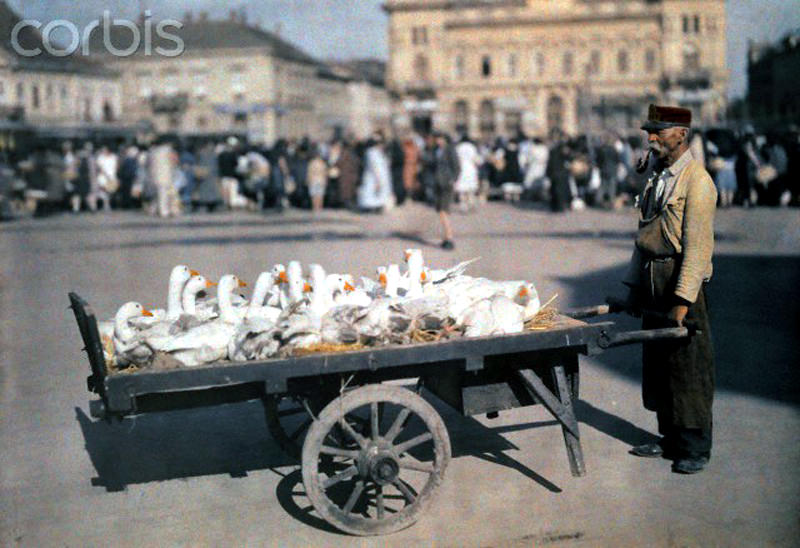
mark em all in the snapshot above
pixel 214 477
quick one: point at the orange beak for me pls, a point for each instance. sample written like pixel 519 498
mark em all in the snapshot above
pixel 348 287
pixel 523 292
pixel 193 272
pixel 146 312
pixel 307 287
pixel 283 277
pixel 423 277
pixel 242 284
pixel 209 283
pixel 407 255
pixel 382 278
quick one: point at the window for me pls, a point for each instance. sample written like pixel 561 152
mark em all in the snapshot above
pixel 459 66
pixel 540 63
pixel 202 122
pixel 595 60
pixel 421 70
pixel 237 67
pixel 460 117
pixel 691 58
pixel 650 60
pixel 49 91
pixel 512 65
pixel 487 117
pixel 696 24
pixel 555 113
pixel 20 92
pixel 486 66
pixel 685 24
pixel 622 61
pixel 566 66
pixel 35 96
pixel 419 35
pixel 143 73
pixel 170 71
pixel 513 122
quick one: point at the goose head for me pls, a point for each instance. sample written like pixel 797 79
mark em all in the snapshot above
pixel 415 275
pixel 195 285
pixel 178 277
pixel 298 288
pixel 528 297
pixel 122 330
pixel 320 296
pixel 411 251
pixel 227 285
pixel 279 273
pixel 381 272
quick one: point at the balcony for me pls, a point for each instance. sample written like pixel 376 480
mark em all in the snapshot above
pixel 687 79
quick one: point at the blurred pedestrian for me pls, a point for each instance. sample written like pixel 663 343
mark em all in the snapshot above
pixel 446 173
pixel 163 163
pixel 410 167
pixel 466 185
pixel 317 179
pixel 375 191
pixel 349 166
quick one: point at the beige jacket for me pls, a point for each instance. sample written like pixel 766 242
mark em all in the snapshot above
pixel 688 222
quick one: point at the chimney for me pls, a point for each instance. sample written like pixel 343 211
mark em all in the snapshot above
pixel 203 16
pixel 243 15
pixel 188 17
pixel 232 15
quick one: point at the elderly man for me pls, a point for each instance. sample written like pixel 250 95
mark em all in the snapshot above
pixel 671 264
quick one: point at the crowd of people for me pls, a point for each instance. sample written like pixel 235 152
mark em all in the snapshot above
pixel 168 177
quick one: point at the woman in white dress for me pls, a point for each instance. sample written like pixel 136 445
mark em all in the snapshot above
pixel 466 186
pixel 376 185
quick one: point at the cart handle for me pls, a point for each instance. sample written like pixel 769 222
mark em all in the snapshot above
pixel 615 306
pixel 610 340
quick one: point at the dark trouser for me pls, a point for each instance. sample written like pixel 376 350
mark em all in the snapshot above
pixel 678 374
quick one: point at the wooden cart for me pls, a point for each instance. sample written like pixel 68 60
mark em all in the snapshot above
pixel 373 454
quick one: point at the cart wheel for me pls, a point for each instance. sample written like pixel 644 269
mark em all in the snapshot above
pixel 379 480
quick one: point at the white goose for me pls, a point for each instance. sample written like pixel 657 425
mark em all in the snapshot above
pixel 207 342
pixel 128 347
pixel 496 315
pixel 265 283
pixel 281 279
pixel 178 278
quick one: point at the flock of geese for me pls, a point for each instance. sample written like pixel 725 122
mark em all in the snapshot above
pixel 289 310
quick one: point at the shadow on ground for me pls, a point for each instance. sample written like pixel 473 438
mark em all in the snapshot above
pixel 755 319
pixel 233 439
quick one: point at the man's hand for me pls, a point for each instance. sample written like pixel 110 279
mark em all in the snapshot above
pixel 677 313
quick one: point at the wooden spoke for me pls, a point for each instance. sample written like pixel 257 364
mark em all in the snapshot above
pixel 379 502
pixel 354 496
pixel 362 442
pixel 336 451
pixel 413 442
pixel 374 421
pixel 419 466
pixel 405 490
pixel 398 424
pixel 344 475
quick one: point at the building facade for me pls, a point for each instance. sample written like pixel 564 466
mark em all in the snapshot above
pixel 487 67
pixel 233 78
pixel 56 95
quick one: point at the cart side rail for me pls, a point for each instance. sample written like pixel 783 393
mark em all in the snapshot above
pixel 87 324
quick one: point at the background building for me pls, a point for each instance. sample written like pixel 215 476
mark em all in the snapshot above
pixel 500 66
pixel 232 77
pixel 53 95
pixel 772 69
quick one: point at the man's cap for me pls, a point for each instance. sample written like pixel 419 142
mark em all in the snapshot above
pixel 660 117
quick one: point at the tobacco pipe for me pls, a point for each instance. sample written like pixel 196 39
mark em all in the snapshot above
pixel 644 161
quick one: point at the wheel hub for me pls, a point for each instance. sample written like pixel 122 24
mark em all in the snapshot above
pixel 384 470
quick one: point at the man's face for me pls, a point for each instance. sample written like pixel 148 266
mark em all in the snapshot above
pixel 665 141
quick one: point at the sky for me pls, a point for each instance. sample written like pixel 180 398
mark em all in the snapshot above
pixel 342 29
